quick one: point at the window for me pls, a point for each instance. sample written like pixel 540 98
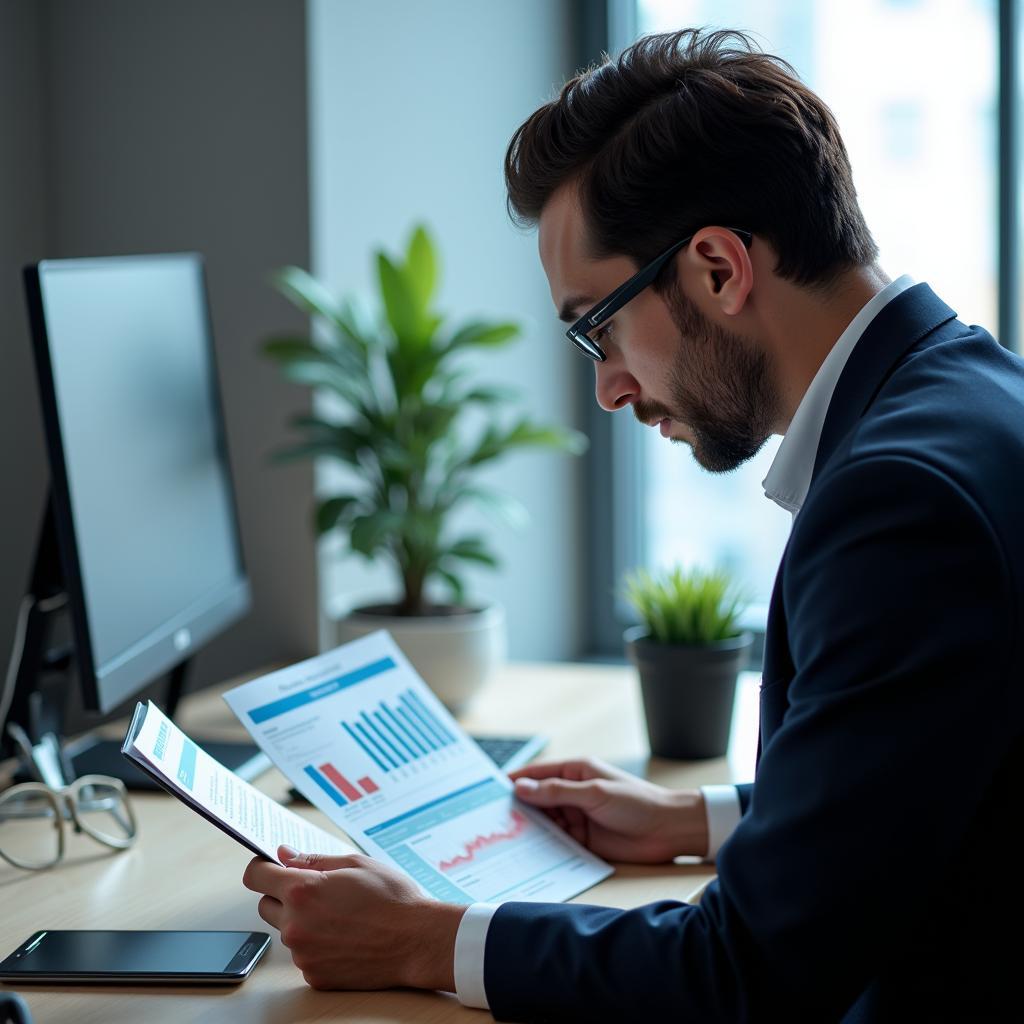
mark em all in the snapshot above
pixel 915 89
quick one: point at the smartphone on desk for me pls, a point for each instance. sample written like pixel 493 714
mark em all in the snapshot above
pixel 135 957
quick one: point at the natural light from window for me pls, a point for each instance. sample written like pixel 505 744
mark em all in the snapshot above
pixel 913 86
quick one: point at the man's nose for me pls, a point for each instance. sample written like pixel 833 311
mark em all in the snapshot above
pixel 614 386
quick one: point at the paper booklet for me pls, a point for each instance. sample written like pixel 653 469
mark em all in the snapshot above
pixel 157 746
pixel 362 737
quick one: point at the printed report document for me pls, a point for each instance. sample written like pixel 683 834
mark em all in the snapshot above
pixel 361 736
pixel 365 740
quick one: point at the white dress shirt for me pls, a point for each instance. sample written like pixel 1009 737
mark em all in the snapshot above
pixel 789 477
pixel 787 483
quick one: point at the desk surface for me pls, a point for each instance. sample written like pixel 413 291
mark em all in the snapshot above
pixel 182 873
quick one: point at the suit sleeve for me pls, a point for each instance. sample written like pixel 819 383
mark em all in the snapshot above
pixel 898 606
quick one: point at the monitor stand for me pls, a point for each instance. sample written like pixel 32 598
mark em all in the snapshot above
pixel 91 756
pixel 46 672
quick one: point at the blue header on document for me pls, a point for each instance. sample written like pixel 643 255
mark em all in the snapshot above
pixel 320 691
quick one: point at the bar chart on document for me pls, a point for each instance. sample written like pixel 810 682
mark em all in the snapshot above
pixel 361 736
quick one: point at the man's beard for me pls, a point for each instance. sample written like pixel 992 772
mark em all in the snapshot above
pixel 721 389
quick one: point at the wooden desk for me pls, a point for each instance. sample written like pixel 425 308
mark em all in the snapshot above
pixel 183 874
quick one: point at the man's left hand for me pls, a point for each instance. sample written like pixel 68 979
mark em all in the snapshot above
pixel 353 923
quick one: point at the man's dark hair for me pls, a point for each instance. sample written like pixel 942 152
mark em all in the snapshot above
pixel 688 129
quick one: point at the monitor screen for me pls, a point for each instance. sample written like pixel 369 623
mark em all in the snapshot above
pixel 141 485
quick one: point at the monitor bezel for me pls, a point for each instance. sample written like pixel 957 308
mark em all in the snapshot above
pixel 104 688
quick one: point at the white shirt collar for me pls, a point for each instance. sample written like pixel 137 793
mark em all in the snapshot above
pixel 789 477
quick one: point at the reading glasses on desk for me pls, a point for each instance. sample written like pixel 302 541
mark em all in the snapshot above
pixel 34 818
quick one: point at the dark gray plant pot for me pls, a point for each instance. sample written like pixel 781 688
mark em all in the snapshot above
pixel 688 692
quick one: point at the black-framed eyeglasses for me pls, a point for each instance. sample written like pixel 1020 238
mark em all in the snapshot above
pixel 579 333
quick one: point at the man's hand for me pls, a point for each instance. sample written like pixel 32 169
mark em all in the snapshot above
pixel 350 922
pixel 615 814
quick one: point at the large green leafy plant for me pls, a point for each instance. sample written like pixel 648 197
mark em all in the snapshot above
pixel 402 417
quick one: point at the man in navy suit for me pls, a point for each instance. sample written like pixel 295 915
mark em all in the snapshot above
pixel 700 233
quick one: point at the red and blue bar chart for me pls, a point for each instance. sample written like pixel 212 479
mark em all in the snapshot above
pixel 358 733
pixel 337 787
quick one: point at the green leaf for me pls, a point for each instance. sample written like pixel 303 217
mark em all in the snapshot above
pixel 352 338
pixel 329 512
pixel 472 549
pixel 316 373
pixel 342 441
pixel 456 585
pixel 421 267
pixel 286 351
pixel 400 304
pixel 306 292
pixel 529 434
pixel 346 350
pixel 433 421
pixel 483 334
pixel 369 533
pixel 412 369
pixel 314 424
pixel 349 441
pixel 489 396
pixel 431 324
pixel 525 434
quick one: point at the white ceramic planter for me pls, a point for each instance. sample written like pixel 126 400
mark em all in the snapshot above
pixel 455 654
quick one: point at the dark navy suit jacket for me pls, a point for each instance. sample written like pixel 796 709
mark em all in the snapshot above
pixel 871 877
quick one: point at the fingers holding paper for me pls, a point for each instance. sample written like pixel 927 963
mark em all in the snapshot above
pixel 615 814
pixel 352 922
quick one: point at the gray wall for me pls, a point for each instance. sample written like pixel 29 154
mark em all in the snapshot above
pixel 411 107
pixel 23 238
pixel 146 126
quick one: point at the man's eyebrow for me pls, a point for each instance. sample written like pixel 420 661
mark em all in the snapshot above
pixel 569 312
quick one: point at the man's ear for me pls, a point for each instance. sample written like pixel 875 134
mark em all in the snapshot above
pixel 718 260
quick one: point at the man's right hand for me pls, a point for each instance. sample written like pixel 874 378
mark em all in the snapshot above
pixel 616 815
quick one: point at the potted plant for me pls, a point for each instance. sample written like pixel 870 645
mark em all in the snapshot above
pixel 688 650
pixel 397 405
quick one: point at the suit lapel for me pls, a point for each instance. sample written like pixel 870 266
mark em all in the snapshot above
pixel 897 328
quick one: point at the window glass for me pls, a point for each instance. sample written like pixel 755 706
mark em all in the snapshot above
pixel 913 86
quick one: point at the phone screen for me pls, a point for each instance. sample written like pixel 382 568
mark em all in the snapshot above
pixel 135 953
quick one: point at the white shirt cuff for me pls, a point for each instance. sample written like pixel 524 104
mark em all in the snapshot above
pixel 724 813
pixel 722 804
pixel 470 942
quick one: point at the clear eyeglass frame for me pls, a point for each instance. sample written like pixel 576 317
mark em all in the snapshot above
pixel 78 804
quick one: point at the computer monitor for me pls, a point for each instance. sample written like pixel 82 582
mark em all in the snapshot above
pixel 140 544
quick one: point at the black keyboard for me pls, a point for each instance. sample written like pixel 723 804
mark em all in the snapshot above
pixel 510 752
